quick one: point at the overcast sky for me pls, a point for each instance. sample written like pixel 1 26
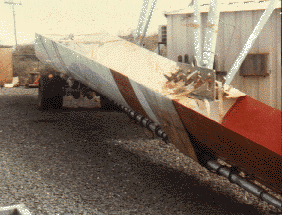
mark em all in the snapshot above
pixel 78 16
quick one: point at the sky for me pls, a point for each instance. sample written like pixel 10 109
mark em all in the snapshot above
pixel 117 17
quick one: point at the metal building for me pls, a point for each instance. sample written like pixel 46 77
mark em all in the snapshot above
pixel 260 73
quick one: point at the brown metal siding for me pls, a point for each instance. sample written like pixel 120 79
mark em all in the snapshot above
pixel 6 66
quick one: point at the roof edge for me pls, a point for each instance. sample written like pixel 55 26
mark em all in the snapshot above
pixel 226 7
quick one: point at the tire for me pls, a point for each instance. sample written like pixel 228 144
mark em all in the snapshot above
pixel 76 95
pixel 56 102
pixel 42 92
pixel 50 93
pixel 108 105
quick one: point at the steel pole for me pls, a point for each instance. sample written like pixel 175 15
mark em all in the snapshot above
pixel 211 35
pixel 197 32
pixel 148 21
pixel 141 20
pixel 248 45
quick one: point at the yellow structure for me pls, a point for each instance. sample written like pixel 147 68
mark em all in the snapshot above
pixel 6 65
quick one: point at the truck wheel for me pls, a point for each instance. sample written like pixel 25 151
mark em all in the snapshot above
pixel 42 92
pixel 76 95
pixel 50 93
pixel 76 86
pixel 56 102
pixel 107 104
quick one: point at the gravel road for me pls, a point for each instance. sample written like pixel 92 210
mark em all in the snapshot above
pixel 84 160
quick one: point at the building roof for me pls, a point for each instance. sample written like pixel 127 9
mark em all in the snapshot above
pixel 5 46
pixel 227 6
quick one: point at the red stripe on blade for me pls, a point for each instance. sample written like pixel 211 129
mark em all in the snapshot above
pixel 128 93
pixel 235 148
pixel 256 121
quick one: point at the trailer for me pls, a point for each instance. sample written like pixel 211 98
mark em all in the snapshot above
pixel 181 103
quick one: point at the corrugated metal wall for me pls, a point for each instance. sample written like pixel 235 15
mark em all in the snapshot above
pixel 234 30
pixel 6 66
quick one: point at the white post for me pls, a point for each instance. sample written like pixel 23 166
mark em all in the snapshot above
pixel 248 45
pixel 148 21
pixel 141 20
pixel 211 35
pixel 197 32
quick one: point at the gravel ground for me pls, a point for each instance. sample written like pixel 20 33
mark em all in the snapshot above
pixel 84 160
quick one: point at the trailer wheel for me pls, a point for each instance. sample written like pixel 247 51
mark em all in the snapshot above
pixel 76 95
pixel 76 86
pixel 42 92
pixel 56 102
pixel 107 104
pixel 50 93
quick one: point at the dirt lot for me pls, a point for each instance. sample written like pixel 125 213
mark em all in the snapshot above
pixel 88 161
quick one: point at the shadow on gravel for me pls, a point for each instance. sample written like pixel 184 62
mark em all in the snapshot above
pixel 79 143
pixel 155 185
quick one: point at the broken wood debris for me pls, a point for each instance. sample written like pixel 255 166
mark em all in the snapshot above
pixel 182 83
pixel 185 83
